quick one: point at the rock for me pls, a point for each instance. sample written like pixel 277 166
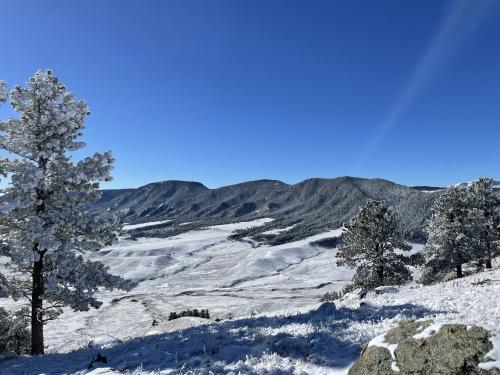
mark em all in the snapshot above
pixel 356 294
pixel 373 361
pixel 424 349
pixel 454 349
pixel 326 308
pixel 405 330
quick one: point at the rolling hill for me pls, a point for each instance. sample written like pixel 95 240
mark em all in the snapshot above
pixel 306 208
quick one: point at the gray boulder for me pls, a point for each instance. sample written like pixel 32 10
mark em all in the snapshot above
pixel 374 361
pixel 454 349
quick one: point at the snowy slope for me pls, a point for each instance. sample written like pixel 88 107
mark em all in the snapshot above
pixel 204 270
pixel 316 339
pixel 144 225
pixel 270 294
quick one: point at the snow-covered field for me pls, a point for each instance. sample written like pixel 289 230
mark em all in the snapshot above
pixel 267 298
pixel 144 225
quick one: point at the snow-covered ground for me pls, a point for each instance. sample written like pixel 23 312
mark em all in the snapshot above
pixel 144 225
pixel 268 300
pixel 278 231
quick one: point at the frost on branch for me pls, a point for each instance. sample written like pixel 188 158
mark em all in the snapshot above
pixel 14 333
pixel 369 241
pixel 464 228
pixel 485 221
pixel 48 226
pixel 4 92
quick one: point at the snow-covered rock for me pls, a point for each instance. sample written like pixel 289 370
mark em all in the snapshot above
pixel 103 342
pixel 355 295
pixel 421 347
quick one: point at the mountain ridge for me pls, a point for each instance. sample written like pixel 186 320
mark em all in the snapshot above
pixel 310 206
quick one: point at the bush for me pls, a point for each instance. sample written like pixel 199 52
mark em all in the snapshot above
pixel 333 296
pixel 14 332
pixel 196 313
pixel 330 296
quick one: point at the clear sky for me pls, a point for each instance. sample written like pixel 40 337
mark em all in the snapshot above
pixel 226 91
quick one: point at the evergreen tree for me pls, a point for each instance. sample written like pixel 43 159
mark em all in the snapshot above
pixel 14 333
pixel 48 230
pixel 449 243
pixel 173 315
pixel 484 221
pixel 369 241
pixel 3 281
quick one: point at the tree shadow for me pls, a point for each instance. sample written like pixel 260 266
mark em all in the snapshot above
pixel 323 336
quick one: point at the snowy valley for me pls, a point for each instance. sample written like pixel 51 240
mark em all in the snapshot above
pixel 266 317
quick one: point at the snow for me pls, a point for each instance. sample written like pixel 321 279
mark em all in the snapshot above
pixel 177 324
pixel 278 231
pixel 144 225
pixel 493 353
pixel 267 298
pixel 428 331
pixel 187 223
pixel 103 342
pixel 380 342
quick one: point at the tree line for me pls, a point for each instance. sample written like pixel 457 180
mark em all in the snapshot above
pixel 464 228
pixel 203 313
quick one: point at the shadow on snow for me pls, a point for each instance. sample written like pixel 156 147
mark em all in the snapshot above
pixel 327 342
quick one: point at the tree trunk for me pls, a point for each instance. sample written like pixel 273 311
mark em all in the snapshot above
pixel 380 264
pixel 488 263
pixel 36 308
pixel 380 274
pixel 38 284
pixel 459 271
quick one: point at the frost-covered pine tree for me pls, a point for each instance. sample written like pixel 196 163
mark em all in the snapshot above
pixel 369 241
pixel 3 97
pixel 3 91
pixel 449 244
pixel 48 231
pixel 14 333
pixel 484 220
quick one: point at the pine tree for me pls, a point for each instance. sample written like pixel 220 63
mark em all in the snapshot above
pixel 48 230
pixel 449 243
pixel 369 241
pixel 4 289
pixel 484 220
pixel 14 333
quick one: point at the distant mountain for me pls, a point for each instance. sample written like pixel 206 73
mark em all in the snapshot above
pixel 310 206
pixel 427 188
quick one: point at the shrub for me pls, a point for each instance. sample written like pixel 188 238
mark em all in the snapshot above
pixel 195 312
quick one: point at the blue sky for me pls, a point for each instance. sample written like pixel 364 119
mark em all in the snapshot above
pixel 226 91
